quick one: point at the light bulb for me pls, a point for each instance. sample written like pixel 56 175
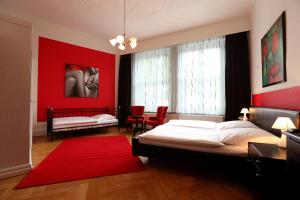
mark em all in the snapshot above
pixel 133 39
pixel 122 46
pixel 120 39
pixel 133 44
pixel 113 41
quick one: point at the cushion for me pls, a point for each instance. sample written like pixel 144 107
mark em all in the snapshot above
pixel 104 117
pixel 133 120
pixel 152 122
pixel 235 124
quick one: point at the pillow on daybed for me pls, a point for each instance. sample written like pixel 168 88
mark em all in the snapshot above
pixel 104 117
pixel 235 124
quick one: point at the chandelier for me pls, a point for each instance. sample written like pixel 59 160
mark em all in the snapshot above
pixel 121 41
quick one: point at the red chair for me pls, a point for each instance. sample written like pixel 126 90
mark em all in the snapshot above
pixel 159 119
pixel 136 117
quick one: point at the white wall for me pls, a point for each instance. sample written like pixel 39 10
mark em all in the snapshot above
pixel 15 71
pixel 193 34
pixel 264 14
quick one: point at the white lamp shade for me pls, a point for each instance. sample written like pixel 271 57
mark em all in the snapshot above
pixel 244 110
pixel 284 124
pixel 133 44
pixel 120 38
pixel 113 41
pixel 133 39
pixel 122 47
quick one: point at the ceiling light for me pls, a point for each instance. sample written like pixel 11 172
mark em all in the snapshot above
pixel 121 39
pixel 133 44
pixel 121 46
pixel 113 41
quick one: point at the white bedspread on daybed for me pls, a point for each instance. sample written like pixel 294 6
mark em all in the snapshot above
pixel 229 138
pixel 79 122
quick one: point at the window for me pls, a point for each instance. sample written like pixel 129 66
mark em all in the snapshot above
pixel 201 77
pixel 151 83
pixel 189 78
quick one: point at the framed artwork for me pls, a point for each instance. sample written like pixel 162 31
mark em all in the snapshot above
pixel 81 81
pixel 273 54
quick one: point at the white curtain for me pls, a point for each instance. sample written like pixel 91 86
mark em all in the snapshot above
pixel 151 79
pixel 201 77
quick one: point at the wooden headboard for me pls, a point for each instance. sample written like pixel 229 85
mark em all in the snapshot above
pixel 265 117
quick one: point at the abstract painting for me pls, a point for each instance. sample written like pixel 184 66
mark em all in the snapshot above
pixel 81 81
pixel 273 54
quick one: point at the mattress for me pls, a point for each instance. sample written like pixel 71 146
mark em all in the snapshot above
pixel 74 123
pixel 232 150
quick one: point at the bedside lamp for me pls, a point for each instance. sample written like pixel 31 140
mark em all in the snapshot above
pixel 245 111
pixel 283 124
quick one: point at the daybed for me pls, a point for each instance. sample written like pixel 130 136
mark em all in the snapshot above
pixel 190 137
pixel 59 120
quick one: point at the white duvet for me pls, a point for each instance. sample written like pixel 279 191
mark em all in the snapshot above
pixel 182 135
pixel 69 122
pixel 208 134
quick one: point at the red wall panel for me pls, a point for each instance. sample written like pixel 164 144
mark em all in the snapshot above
pixel 286 98
pixel 53 55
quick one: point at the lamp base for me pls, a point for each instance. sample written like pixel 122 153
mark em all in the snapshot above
pixel 245 117
pixel 282 142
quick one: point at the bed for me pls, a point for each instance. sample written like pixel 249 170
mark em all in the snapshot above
pixel 188 137
pixel 71 119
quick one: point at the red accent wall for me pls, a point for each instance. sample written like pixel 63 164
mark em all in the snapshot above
pixel 53 55
pixel 286 98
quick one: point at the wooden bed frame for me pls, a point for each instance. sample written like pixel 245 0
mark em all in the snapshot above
pixel 72 112
pixel 262 117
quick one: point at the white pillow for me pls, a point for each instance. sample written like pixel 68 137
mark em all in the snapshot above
pixel 235 124
pixel 241 136
pixel 104 117
pixel 192 123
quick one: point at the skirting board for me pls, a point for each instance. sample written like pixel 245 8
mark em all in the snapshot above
pixel 16 170
pixel 39 128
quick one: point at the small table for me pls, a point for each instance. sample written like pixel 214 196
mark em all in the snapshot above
pixel 137 122
pixel 267 159
pixel 293 154
pixel 268 162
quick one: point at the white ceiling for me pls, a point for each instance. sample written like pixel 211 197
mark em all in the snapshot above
pixel 144 18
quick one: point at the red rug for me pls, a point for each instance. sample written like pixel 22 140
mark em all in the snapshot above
pixel 82 158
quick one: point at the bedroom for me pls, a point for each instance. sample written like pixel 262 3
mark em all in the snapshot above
pixel 55 40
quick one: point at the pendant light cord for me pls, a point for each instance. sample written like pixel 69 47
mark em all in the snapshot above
pixel 124 18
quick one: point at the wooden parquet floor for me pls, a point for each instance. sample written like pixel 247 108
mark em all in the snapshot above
pixel 161 180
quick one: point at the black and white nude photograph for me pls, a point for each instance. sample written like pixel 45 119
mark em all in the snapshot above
pixel 81 81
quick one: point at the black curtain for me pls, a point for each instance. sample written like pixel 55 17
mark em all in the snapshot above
pixel 237 75
pixel 124 88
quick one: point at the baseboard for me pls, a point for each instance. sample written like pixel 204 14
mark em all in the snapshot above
pixel 16 170
pixel 39 128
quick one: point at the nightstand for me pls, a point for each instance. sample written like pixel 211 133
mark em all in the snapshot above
pixel 268 163
pixel 267 160
pixel 293 154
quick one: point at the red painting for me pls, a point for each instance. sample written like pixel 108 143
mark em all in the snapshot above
pixel 273 53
